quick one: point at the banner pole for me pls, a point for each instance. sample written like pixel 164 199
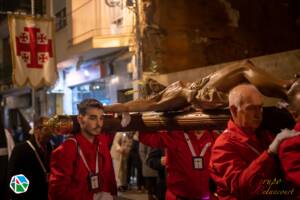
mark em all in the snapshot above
pixel 32 88
pixel 32 8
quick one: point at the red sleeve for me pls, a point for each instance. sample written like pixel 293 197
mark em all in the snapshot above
pixel 61 165
pixel 289 156
pixel 231 173
pixel 214 134
pixel 160 139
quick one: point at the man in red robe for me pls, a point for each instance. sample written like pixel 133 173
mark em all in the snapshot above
pixel 187 156
pixel 289 150
pixel 81 168
pixel 242 161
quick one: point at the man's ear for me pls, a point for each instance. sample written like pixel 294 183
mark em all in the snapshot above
pixel 233 110
pixel 80 119
pixel 295 115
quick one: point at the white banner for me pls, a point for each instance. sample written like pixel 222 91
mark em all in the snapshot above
pixel 33 51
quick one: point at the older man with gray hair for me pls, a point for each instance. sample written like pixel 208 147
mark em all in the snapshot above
pixel 243 164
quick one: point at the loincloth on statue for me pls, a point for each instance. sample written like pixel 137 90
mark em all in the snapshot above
pixel 209 98
pixel 205 97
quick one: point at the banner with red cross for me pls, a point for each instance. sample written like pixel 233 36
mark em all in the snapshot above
pixel 32 47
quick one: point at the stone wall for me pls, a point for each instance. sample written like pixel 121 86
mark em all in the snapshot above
pixel 282 65
pixel 180 34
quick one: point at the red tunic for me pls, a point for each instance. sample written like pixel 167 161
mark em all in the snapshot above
pixel 69 176
pixel 289 155
pixel 182 179
pixel 240 163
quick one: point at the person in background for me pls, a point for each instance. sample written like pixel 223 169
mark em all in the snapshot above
pixel 119 152
pixel 157 160
pixel 134 165
pixel 243 159
pixel 21 129
pixel 31 158
pixel 81 167
pixel 150 175
pixel 6 146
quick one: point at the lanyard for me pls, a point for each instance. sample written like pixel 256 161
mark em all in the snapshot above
pixel 37 156
pixel 253 149
pixel 203 151
pixel 85 162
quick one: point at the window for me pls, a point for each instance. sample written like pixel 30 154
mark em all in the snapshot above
pixel 115 11
pixel 61 19
pixel 96 90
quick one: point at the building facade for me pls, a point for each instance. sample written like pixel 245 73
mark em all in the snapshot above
pixel 94 41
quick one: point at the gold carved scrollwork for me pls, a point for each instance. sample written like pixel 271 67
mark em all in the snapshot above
pixel 60 124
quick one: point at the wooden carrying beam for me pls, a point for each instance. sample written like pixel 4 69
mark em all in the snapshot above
pixel 64 124
pixel 274 119
pixel 169 121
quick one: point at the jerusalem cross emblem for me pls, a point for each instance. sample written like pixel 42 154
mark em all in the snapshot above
pixel 34 47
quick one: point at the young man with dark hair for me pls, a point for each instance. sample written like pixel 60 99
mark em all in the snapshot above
pixel 81 168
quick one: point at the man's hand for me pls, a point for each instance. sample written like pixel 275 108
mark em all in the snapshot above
pixel 284 134
pixel 119 149
pixel 125 119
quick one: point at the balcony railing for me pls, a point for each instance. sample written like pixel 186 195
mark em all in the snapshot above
pixel 92 18
pixel 22 6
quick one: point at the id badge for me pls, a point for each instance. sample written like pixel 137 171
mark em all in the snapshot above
pixel 94 182
pixel 198 163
